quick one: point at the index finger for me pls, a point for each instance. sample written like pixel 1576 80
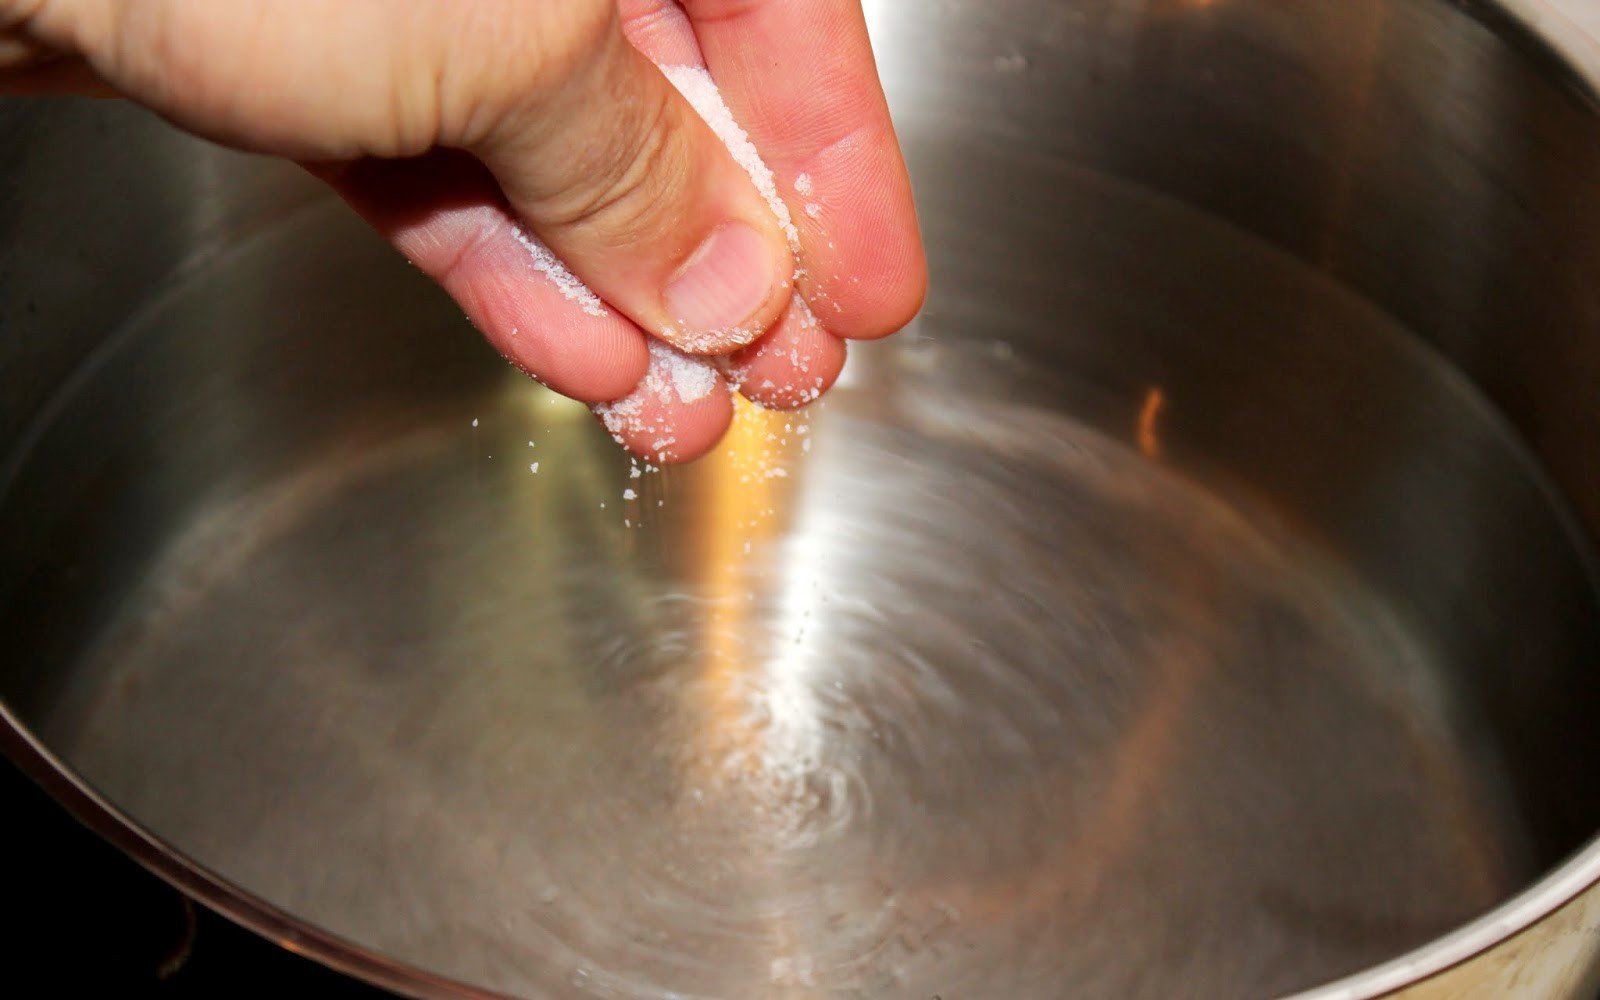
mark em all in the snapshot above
pixel 801 79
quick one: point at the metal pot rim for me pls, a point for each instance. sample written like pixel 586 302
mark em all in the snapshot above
pixel 1557 39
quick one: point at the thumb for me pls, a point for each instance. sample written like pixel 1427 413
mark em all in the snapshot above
pixel 624 181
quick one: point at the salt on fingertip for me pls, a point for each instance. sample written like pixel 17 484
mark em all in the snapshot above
pixel 672 377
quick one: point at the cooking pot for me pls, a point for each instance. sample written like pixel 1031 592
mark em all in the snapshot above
pixel 1197 600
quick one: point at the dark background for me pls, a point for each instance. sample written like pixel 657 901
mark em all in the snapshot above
pixel 84 918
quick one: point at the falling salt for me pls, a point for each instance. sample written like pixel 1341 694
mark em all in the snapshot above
pixel 634 473
pixel 567 283
pixel 629 494
pixel 533 467
pixel 1011 62
pixel 474 421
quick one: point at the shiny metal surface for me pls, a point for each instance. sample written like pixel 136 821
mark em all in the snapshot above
pixel 1196 601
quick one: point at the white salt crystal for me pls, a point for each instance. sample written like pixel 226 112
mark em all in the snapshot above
pixel 629 495
pixel 474 421
pixel 672 376
pixel 694 378
pixel 802 184
pixel 672 373
pixel 697 87
pixel 565 281
pixel 533 467
pixel 1011 62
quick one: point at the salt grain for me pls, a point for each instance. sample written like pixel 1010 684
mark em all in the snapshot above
pixel 629 495
pixel 1011 62
pixel 697 87
pixel 571 288
pixel 672 377
pixel 694 378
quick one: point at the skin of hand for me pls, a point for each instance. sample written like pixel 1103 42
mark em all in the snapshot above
pixel 457 126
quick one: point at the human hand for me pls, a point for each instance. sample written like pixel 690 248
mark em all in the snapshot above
pixel 460 129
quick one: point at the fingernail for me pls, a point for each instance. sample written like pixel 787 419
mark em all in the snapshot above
pixel 714 296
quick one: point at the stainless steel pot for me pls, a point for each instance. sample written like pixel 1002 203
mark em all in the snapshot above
pixel 1197 601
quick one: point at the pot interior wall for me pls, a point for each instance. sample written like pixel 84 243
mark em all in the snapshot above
pixel 1196 600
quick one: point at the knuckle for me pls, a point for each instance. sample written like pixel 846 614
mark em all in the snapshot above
pixel 623 180
pixel 503 60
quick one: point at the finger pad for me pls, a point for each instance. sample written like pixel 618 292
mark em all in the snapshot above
pixel 677 412
pixel 791 366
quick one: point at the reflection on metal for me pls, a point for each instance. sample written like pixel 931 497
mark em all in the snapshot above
pixel 1149 418
pixel 995 701
pixel 739 522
